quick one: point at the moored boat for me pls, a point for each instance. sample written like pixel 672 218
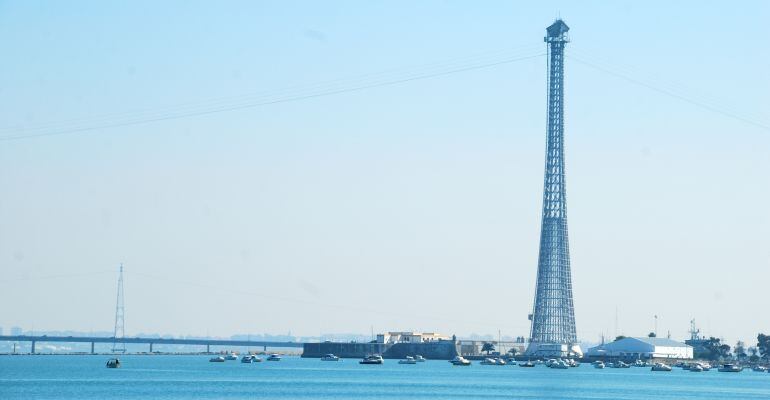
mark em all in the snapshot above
pixel 274 357
pixel 231 356
pixel 330 357
pixel 247 359
pixel 696 368
pixel 599 365
pixel 372 359
pixel 217 359
pixel 113 363
pixel 419 358
pixel 527 364
pixel 460 361
pixel 660 367
pixel 408 360
pixel 730 368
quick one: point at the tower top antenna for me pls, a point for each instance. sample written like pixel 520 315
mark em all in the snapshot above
pixel 120 319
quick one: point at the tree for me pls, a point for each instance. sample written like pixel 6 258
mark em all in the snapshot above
pixel 513 351
pixel 619 337
pixel 740 351
pixel 763 344
pixel 724 351
pixel 714 349
pixel 488 347
pixel 651 334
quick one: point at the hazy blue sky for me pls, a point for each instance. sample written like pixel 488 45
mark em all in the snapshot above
pixel 405 206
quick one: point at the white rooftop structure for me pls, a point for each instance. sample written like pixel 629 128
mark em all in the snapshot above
pixel 642 347
pixel 410 337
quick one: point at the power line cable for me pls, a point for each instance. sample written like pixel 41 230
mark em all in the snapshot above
pixel 217 108
pixel 671 93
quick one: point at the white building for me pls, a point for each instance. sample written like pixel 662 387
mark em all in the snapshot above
pixel 642 347
pixel 410 337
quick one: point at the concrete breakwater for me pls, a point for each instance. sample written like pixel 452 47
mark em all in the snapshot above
pixel 434 350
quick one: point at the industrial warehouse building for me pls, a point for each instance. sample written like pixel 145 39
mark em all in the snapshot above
pixel 635 348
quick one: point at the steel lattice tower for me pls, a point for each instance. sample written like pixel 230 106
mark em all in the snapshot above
pixel 120 321
pixel 553 316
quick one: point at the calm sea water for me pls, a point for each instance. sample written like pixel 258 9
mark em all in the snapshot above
pixel 188 377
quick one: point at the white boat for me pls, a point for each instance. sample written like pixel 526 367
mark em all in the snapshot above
pixel 620 364
pixel 527 364
pixel 599 365
pixel 759 368
pixel 274 357
pixel 330 357
pixel 511 361
pixel 572 363
pixel 730 368
pixel 247 359
pixel 217 359
pixel 372 359
pixel 660 367
pixel 492 361
pixel 706 367
pixel 559 364
pixel 696 368
pixel 408 360
pixel 419 358
pixel 460 361
pixel 231 356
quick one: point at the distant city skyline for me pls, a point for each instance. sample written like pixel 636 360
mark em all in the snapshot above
pixel 353 167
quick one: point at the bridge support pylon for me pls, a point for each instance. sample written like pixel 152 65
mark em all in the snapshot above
pixel 92 348
pixel 33 347
pixel 150 347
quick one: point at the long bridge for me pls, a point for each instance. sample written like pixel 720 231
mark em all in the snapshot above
pixel 150 341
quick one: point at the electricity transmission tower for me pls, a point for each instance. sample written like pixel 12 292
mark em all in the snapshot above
pixel 120 321
pixel 553 316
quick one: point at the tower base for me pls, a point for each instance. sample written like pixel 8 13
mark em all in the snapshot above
pixel 553 350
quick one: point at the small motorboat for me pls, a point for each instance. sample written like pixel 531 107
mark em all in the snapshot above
pixel 231 356
pixel 372 359
pixel 706 367
pixel 660 367
pixel 217 359
pixel 460 361
pixel 492 361
pixel 274 357
pixel 730 368
pixel 696 368
pixel 527 364
pixel 247 359
pixel 759 368
pixel 599 365
pixel 408 360
pixel 511 361
pixel 113 363
pixel 559 364
pixel 620 364
pixel 330 357
pixel 572 363
pixel 419 358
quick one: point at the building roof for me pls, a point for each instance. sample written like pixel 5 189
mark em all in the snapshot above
pixel 557 28
pixel 659 341
pixel 636 344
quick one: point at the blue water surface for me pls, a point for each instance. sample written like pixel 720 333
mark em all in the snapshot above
pixel 193 377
